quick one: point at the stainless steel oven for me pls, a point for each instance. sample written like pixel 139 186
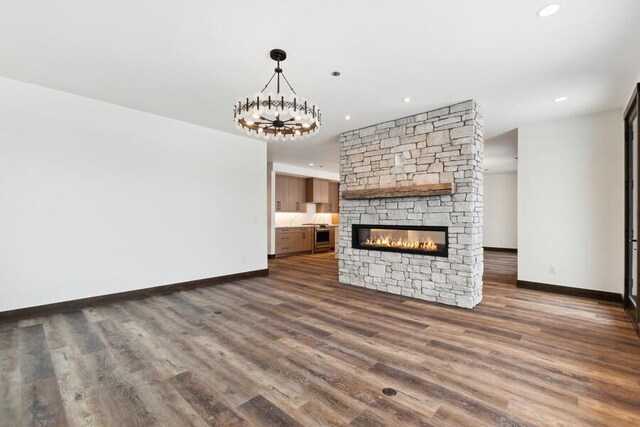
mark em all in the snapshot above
pixel 322 240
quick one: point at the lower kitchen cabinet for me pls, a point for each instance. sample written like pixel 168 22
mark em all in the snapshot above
pixel 284 242
pixel 332 237
pixel 294 240
pixel 303 240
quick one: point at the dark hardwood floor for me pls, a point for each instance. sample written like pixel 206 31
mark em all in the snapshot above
pixel 297 348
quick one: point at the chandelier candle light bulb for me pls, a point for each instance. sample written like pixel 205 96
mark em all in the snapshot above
pixel 278 115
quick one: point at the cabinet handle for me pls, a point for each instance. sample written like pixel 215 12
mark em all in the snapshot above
pixel 297 206
pixel 278 205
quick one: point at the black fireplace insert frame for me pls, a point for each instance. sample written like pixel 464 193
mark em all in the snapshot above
pixel 355 241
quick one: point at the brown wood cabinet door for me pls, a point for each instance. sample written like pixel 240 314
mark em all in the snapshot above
pixel 292 192
pixel 308 240
pixel 297 195
pixel 285 242
pixel 309 185
pixel 317 191
pixel 323 191
pixel 282 193
pixel 302 194
pixel 334 197
pixel 331 206
pixel 302 241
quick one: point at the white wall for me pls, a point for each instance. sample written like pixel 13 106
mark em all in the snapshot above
pixel 96 199
pixel 571 202
pixel 500 211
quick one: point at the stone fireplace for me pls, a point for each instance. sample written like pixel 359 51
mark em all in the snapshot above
pixel 411 206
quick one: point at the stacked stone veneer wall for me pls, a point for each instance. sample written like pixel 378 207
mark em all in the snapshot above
pixel 440 146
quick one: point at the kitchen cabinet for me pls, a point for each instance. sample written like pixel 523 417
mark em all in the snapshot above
pixel 303 240
pixel 284 241
pixel 334 196
pixel 282 193
pixel 333 199
pixel 291 194
pixel 299 192
pixel 317 190
pixel 291 240
pixel 332 236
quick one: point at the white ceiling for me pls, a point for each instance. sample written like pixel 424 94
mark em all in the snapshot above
pixel 192 59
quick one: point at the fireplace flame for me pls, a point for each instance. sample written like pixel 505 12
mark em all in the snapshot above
pixel 390 242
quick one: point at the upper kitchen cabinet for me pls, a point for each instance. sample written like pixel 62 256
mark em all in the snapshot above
pixel 332 205
pixel 290 194
pixel 282 193
pixel 297 194
pixel 317 190
pixel 334 196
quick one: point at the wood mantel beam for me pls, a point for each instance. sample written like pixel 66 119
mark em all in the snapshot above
pixel 404 191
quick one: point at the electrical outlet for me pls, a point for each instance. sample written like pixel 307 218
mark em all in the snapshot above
pixel 553 269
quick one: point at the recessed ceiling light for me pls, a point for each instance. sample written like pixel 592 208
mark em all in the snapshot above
pixel 560 99
pixel 347 117
pixel 548 10
pixel 406 99
pixel 312 164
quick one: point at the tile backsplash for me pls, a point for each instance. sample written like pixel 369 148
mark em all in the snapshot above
pixel 283 219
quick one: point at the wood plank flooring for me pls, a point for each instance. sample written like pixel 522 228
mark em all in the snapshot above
pixel 297 348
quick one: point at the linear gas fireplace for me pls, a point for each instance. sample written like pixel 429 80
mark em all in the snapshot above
pixel 425 240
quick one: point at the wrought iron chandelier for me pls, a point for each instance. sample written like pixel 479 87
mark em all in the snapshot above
pixel 277 115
